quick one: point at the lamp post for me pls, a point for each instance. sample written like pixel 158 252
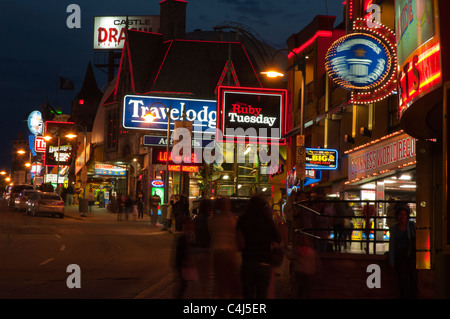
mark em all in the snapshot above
pixel 166 173
pixel 300 63
pixel 83 178
pixel 48 138
pixel 149 117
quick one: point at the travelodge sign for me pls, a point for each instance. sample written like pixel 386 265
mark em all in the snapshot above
pixel 201 112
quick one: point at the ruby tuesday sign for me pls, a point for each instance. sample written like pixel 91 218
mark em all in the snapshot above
pixel 252 113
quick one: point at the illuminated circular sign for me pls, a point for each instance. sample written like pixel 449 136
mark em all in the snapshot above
pixel 157 183
pixel 358 61
pixel 35 123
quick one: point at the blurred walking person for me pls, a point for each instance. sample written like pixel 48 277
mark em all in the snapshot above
pixel 201 249
pixel 402 252
pixel 305 262
pixel 180 212
pixel 155 200
pixel 120 206
pixel 184 264
pixel 222 229
pixel 257 234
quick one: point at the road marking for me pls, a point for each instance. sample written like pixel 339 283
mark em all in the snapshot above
pixel 57 236
pixel 62 248
pixel 46 261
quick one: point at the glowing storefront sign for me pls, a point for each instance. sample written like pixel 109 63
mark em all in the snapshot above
pixel 321 159
pixel 157 183
pixel 110 32
pixel 39 144
pixel 364 62
pixel 109 170
pixel 390 153
pixel 186 168
pixel 251 113
pixel 358 61
pixel 419 51
pixel 35 123
pixel 59 150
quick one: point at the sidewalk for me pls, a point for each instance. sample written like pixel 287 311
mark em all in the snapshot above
pixel 101 213
pixel 95 212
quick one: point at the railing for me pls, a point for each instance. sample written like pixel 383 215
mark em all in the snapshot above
pixel 370 222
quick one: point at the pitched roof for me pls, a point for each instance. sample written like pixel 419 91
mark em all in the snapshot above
pixel 181 67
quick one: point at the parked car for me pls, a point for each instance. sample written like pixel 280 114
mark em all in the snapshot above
pixel 20 203
pixel 15 191
pixel 45 203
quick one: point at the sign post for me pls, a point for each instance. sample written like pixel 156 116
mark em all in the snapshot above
pixel 300 170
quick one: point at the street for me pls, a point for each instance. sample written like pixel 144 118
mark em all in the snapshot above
pixel 116 259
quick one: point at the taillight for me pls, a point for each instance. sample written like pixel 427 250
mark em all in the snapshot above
pixel 61 204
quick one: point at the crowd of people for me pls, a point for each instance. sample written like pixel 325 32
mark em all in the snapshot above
pixel 237 250
pixel 224 255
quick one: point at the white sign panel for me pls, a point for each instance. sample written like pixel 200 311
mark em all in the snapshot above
pixel 110 32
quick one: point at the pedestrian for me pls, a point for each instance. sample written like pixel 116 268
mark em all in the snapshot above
pixel 135 209
pixel 180 212
pixel 69 195
pixel 140 203
pixel 402 252
pixel 183 259
pixel 155 201
pixel 287 213
pixel 201 250
pixel 257 235
pixel 305 262
pixel 120 206
pixel 128 206
pixel 169 215
pixel 224 249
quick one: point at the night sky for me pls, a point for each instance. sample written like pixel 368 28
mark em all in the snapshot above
pixel 37 46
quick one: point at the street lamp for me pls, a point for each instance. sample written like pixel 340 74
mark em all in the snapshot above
pixel 48 138
pixel 300 63
pixel 27 164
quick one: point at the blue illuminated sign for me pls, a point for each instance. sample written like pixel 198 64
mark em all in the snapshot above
pixel 321 159
pixel 203 113
pixel 358 61
pixel 35 123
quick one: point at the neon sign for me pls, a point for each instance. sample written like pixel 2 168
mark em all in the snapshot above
pixel 157 183
pixel 162 158
pixel 59 150
pixel 251 113
pixel 419 75
pixel 186 168
pixel 358 61
pixel 35 123
pixel 364 62
pixel 321 159
pixel 419 51
pixel 201 112
pixel 109 170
